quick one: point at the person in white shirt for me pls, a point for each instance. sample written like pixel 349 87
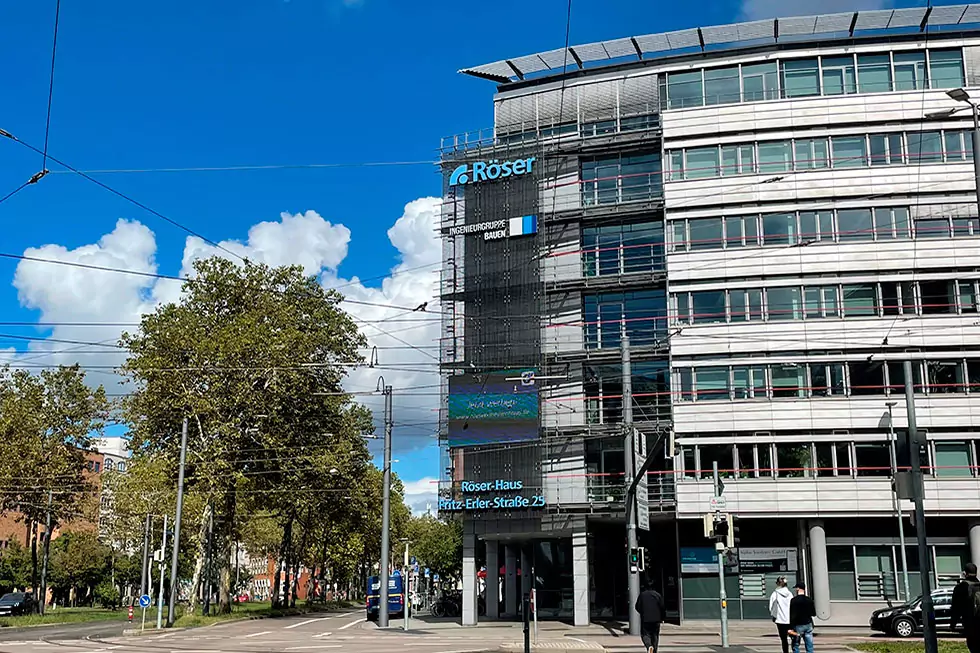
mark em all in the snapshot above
pixel 779 609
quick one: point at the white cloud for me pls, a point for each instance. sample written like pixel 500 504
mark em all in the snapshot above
pixel 70 294
pixel 759 9
pixel 422 496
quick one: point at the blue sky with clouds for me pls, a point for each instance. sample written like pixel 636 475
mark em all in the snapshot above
pixel 186 83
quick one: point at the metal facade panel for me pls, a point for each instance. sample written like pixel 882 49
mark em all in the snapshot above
pixel 971 15
pixel 832 23
pixel 877 19
pixel 591 52
pixel 683 38
pixel 497 68
pixel 757 29
pixel 653 43
pixel 557 58
pixel 947 15
pixel 516 114
pixel 798 26
pixel 719 34
pixel 971 57
pixel 531 63
pixel 619 48
pixel 907 17
pixel 551 102
pixel 597 100
pixel 638 95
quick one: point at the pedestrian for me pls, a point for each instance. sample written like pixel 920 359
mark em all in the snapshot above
pixel 779 602
pixel 801 614
pixel 650 605
pixel 966 607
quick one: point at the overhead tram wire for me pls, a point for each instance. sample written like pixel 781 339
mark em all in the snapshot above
pixel 247 168
pixel 54 52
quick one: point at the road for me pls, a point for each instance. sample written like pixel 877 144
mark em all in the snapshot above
pixel 95 629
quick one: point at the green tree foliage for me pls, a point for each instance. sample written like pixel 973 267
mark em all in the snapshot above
pixel 79 562
pixel 15 567
pixel 437 544
pixel 254 357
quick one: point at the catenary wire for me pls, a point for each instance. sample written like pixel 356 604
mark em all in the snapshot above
pixel 54 52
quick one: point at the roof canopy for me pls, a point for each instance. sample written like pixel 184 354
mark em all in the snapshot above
pixel 771 30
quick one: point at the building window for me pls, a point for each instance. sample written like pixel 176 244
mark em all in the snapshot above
pixel 801 78
pixel 826 379
pixel 685 90
pixel 937 297
pixel 711 383
pixel 925 147
pixel 821 302
pixel 708 306
pixel 872 458
pixel 775 156
pixel 721 86
pixel 867 377
pixel 706 233
pixel 702 163
pixel 749 382
pixel 611 180
pixel 642 314
pixel 810 154
pixel 910 71
pixel 850 151
pixel 891 223
pixel 838 75
pixel 946 68
pixel 745 304
pixel 784 303
pixel 788 380
pixel 760 82
pixel 886 149
pixel 793 460
pixel 945 377
pixel 742 231
pixel 779 229
pixel 623 248
pixel 953 459
pixel 874 73
pixel 855 225
pixel 816 226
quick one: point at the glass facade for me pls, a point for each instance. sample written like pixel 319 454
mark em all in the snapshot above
pixel 641 314
pixel 808 77
pixel 621 178
pixel 839 152
pixel 623 248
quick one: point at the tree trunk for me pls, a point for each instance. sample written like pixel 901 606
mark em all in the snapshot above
pixel 202 546
pixel 227 542
pixel 295 582
pixel 281 563
pixel 33 531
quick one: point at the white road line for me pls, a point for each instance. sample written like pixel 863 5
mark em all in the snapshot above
pixel 577 639
pixel 353 623
pixel 305 648
pixel 303 623
pixel 264 632
pixel 327 634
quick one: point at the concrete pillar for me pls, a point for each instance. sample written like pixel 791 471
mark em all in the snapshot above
pixel 510 581
pixel 469 579
pixel 493 580
pixel 580 577
pixel 819 588
pixel 975 542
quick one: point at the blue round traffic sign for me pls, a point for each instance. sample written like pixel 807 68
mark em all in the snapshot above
pixel 145 601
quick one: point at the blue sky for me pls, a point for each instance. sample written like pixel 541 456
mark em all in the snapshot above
pixel 242 82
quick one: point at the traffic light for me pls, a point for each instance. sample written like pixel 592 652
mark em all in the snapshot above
pixel 635 559
pixel 721 527
pixel 731 528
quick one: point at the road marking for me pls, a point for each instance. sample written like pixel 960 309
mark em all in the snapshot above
pixel 322 635
pixel 577 639
pixel 264 632
pixel 353 623
pixel 308 621
pixel 306 648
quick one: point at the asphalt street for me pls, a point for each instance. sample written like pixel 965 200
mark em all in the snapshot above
pixel 96 629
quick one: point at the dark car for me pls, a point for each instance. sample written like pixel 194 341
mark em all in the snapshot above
pixel 15 603
pixel 906 620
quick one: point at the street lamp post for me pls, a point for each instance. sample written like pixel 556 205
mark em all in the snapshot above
pixel 385 509
pixel 960 95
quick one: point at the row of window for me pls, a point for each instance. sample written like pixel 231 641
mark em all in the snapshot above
pixel 846 378
pixel 642 314
pixel 851 151
pixel 880 299
pixel 621 178
pixel 820 459
pixel 809 227
pixel 824 75
pixel 624 248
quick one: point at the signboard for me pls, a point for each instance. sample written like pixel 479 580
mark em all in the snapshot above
pixel 704 560
pixel 767 560
pixel 488 408
pixel 642 493
pixel 524 225
pixel 491 495
pixel 718 503
pixel 471 173
pixel 145 601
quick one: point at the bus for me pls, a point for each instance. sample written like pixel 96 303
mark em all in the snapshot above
pixel 396 596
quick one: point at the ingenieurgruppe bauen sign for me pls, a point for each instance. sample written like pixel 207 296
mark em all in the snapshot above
pixel 499 494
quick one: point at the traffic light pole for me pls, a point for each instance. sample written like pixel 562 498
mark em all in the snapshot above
pixel 720 545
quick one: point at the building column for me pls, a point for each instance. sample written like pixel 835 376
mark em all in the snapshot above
pixel 819 571
pixel 469 579
pixel 580 577
pixel 525 571
pixel 493 580
pixel 975 542
pixel 510 581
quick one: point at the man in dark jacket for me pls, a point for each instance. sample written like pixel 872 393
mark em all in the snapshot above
pixel 801 614
pixel 650 605
pixel 964 607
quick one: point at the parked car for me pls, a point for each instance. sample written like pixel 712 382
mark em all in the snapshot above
pixel 15 603
pixel 906 620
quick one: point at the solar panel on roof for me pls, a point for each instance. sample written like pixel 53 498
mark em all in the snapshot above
pixel 683 38
pixel 652 42
pixel 592 52
pixel 907 17
pixel 797 26
pixel 947 15
pixel 531 63
pixel 557 58
pixel 833 23
pixel 877 19
pixel 619 48
pixel 757 29
pixel 497 69
pixel 719 34
pixel 971 14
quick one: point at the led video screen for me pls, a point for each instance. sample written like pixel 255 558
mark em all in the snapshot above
pixel 493 407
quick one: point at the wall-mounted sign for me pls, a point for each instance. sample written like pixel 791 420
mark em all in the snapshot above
pixel 491 495
pixel 489 408
pixel 524 225
pixel 490 170
pixel 704 560
pixel 766 560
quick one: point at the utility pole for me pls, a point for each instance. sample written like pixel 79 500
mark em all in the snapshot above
pixel 163 569
pixel 405 587
pixel 928 612
pixel 385 510
pixel 633 577
pixel 180 508
pixel 43 599
pixel 896 502
pixel 146 554
pixel 722 594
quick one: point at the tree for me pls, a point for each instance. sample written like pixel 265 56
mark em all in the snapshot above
pixel 48 421
pixel 78 563
pixel 438 544
pixel 253 356
pixel 15 567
